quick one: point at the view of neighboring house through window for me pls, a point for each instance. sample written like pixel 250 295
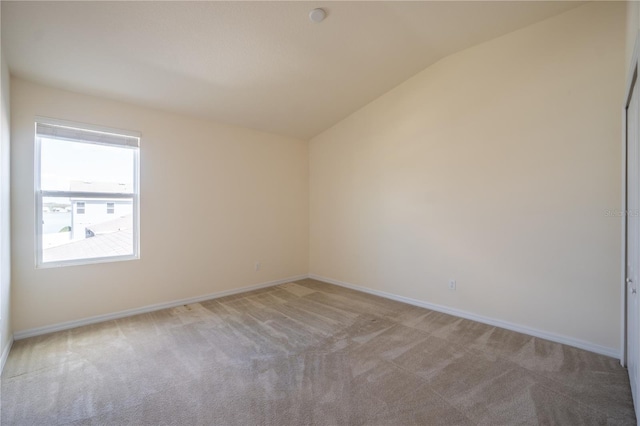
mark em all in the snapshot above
pixel 87 193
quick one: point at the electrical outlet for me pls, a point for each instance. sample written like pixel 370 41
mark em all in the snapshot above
pixel 452 285
pixel 258 266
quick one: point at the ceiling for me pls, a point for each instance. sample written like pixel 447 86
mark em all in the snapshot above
pixel 261 65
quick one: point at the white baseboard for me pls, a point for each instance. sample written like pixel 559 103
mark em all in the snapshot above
pixel 565 340
pixel 23 334
pixel 5 354
pixel 603 350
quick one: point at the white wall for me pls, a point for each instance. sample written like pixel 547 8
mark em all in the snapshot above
pixel 215 199
pixel 493 167
pixel 5 247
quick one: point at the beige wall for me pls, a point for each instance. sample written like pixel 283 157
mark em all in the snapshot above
pixel 5 255
pixel 493 167
pixel 215 199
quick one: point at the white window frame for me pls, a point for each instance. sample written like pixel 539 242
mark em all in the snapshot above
pixel 108 133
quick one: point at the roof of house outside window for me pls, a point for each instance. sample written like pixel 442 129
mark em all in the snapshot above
pixel 113 187
pixel 118 243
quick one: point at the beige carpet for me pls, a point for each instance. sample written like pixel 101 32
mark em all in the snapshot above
pixel 306 353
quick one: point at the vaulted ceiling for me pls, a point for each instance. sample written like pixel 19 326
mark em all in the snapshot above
pixel 262 65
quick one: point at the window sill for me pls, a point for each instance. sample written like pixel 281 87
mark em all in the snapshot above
pixel 91 261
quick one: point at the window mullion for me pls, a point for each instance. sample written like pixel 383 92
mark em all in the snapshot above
pixel 76 194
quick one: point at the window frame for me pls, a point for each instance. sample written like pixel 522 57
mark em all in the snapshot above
pixel 39 193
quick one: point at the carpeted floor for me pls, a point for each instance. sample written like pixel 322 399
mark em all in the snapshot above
pixel 306 353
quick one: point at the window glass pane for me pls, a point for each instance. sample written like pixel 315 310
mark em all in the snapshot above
pixel 85 167
pixel 94 234
pixel 88 196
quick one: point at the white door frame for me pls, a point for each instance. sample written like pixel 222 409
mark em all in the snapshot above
pixel 631 81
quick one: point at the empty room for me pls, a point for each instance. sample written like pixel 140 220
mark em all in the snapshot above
pixel 319 213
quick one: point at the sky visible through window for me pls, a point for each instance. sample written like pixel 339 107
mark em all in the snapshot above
pixel 65 161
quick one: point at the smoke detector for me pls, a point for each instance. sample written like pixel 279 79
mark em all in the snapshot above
pixel 317 15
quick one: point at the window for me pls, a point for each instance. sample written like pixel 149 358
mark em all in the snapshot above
pixel 82 172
